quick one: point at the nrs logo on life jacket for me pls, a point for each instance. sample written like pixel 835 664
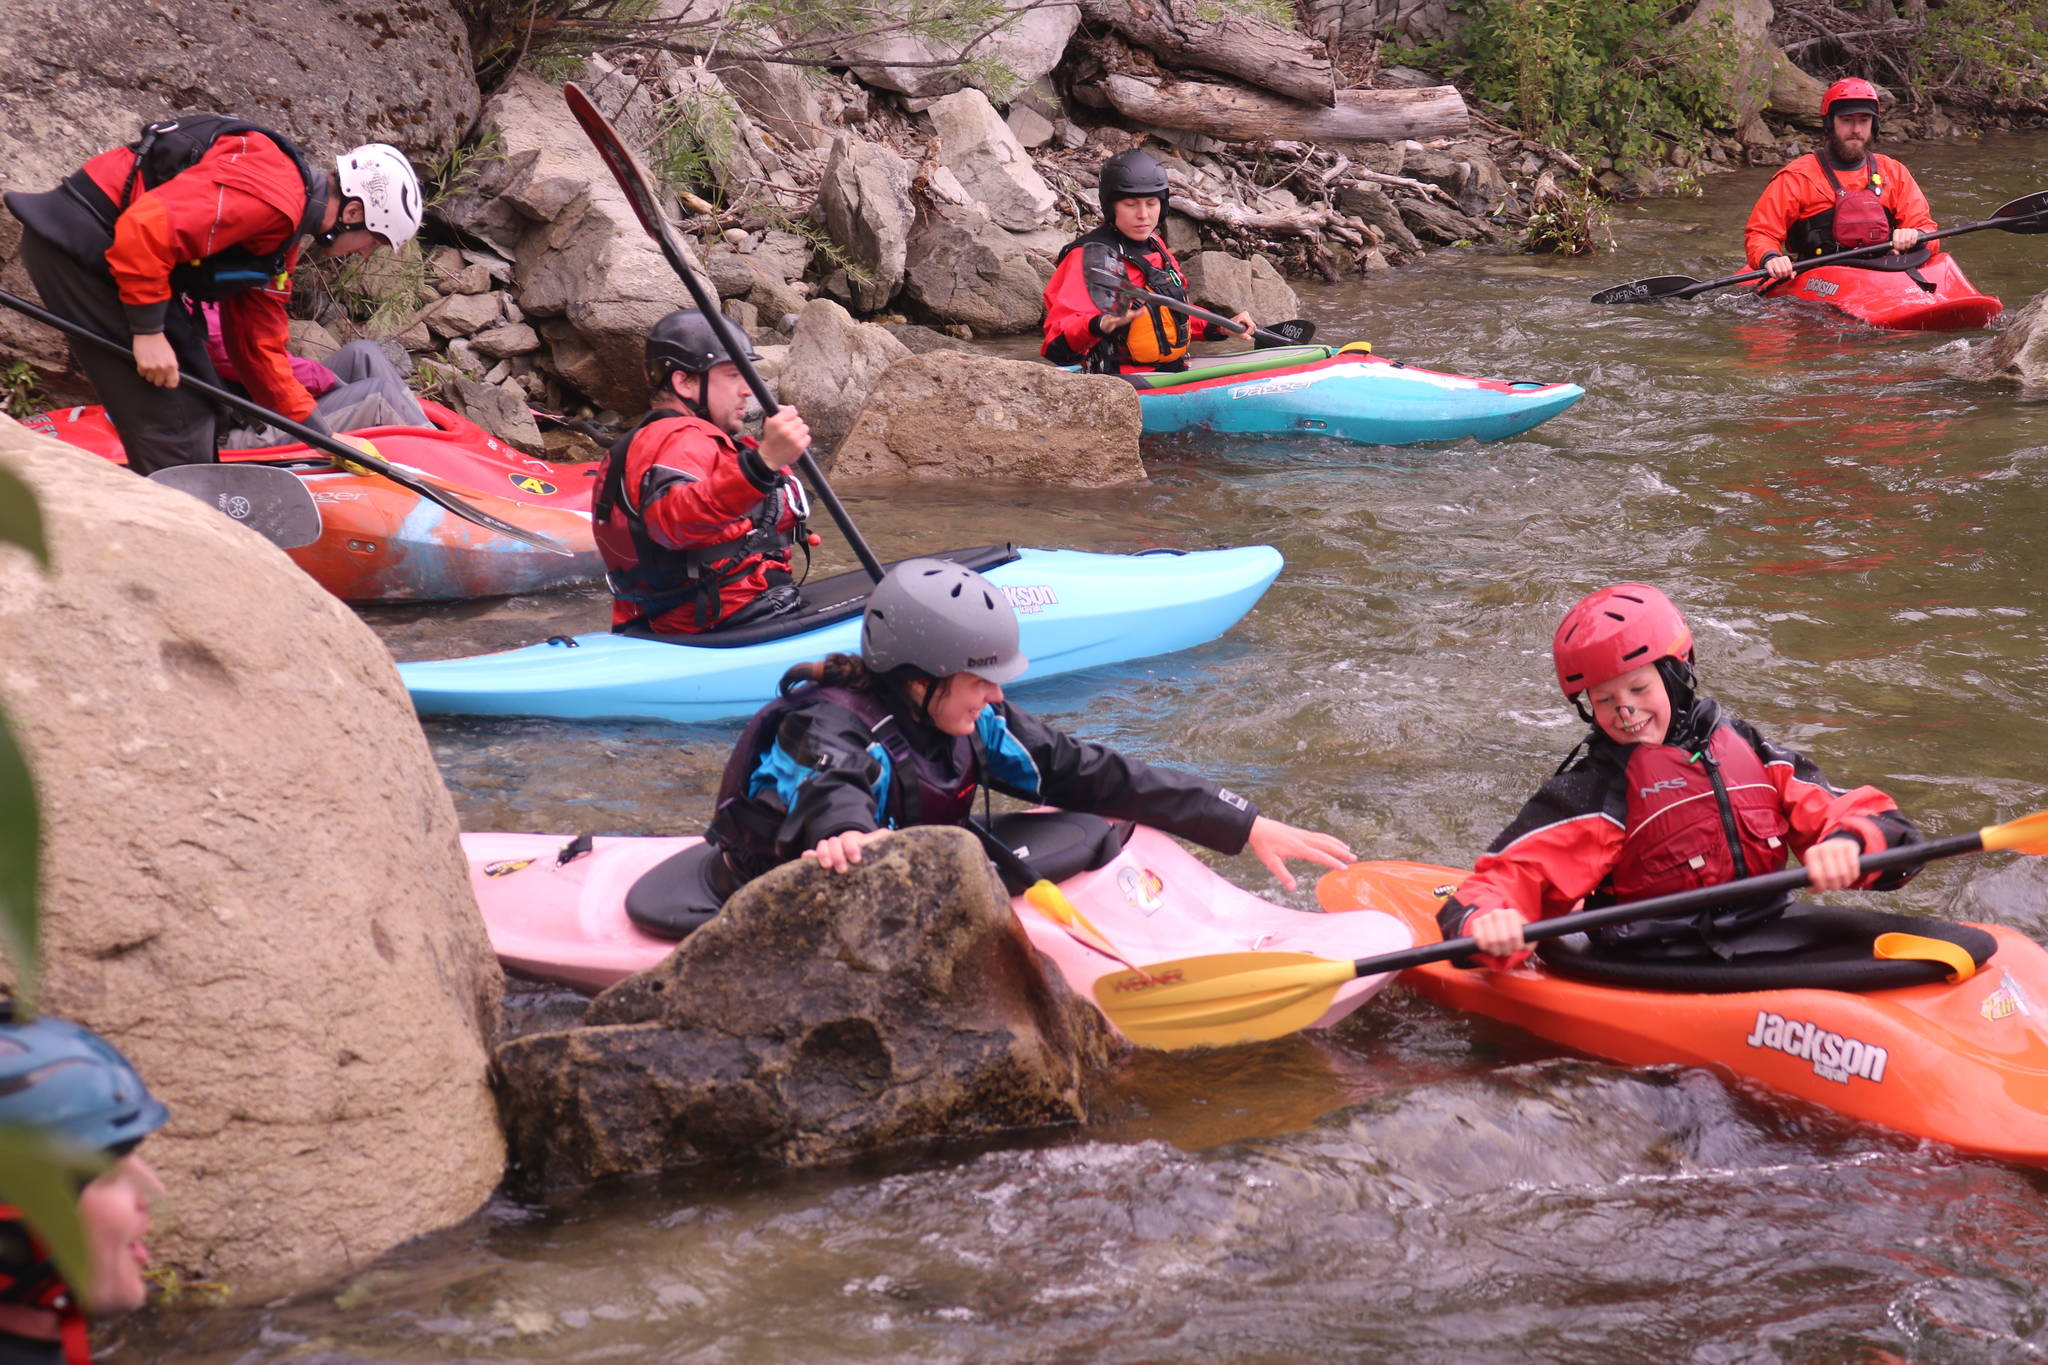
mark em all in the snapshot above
pixel 1834 1057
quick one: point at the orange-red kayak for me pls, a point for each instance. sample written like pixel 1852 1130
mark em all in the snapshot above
pixel 383 543
pixel 1965 1064
pixel 1879 293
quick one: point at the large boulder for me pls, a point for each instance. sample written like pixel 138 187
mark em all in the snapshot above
pixel 833 362
pixel 252 880
pixel 949 415
pixel 988 161
pixel 1027 44
pixel 1234 283
pixel 819 1016
pixel 964 269
pixel 2020 352
pixel 864 199
pixel 581 257
pixel 77 79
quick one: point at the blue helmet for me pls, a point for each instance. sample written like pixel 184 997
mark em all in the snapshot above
pixel 57 1076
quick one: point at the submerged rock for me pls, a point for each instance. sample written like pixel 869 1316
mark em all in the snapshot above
pixel 951 415
pixel 2020 352
pixel 818 1016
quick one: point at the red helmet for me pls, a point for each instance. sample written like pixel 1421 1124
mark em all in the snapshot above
pixel 1854 92
pixel 1614 630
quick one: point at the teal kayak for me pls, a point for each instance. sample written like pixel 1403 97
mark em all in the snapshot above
pixel 1348 393
pixel 1076 610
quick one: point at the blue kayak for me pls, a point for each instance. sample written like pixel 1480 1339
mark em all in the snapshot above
pixel 1348 393
pixel 1077 610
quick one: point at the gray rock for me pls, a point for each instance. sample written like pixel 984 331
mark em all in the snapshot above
pixel 1031 128
pixel 949 415
pixel 311 340
pixel 1027 46
pixel 459 315
pixel 776 301
pixel 513 338
pixel 1251 285
pixel 817 1017
pixel 500 410
pixel 833 360
pixel 1376 208
pixel 865 199
pixel 731 274
pixel 1435 222
pixel 470 279
pixel 966 270
pixel 2020 352
pixel 985 156
pixel 920 340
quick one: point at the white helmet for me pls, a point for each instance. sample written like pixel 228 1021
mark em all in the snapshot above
pixel 379 174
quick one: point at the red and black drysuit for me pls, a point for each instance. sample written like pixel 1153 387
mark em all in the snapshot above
pixel 129 249
pixel 693 526
pixel 29 1278
pixel 1073 301
pixel 826 760
pixel 1796 213
pixel 1627 822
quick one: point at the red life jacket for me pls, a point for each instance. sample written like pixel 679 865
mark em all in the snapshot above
pixel 1697 821
pixel 1858 218
pixel 28 1277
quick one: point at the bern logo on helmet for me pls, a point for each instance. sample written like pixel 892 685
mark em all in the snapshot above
pixel 981 662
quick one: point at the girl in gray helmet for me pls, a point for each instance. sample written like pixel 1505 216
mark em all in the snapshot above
pixel 910 731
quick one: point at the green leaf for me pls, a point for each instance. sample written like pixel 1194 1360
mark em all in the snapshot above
pixel 39 1175
pixel 21 522
pixel 20 842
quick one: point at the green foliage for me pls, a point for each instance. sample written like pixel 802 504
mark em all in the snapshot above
pixel 1574 222
pixel 1602 76
pixel 21 392
pixel 39 1174
pixel 1278 13
pixel 459 173
pixel 694 141
pixel 1989 45
pixel 384 291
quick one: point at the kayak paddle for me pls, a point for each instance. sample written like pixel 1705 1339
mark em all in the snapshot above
pixel 2026 216
pixel 1045 896
pixel 274 503
pixel 299 431
pixel 1246 997
pixel 633 181
pixel 1296 332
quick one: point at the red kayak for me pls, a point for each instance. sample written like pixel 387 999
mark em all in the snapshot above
pixel 1963 1063
pixel 380 542
pixel 1884 292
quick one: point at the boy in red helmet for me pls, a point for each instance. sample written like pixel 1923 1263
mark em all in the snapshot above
pixel 1670 794
pixel 1841 196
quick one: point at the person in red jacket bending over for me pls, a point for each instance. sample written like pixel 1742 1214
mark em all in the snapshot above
pixel 1670 793
pixel 201 208
pixel 1086 323
pixel 1841 196
pixel 695 526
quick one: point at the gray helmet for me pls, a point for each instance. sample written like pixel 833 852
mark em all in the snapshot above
pixel 943 619
pixel 688 341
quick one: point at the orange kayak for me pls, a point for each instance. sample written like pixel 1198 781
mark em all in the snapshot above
pixel 380 542
pixel 1965 1064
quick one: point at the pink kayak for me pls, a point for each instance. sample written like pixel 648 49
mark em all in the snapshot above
pixel 568 921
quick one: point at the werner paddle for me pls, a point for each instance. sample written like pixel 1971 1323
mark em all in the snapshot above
pixel 1243 997
pixel 633 181
pixel 2025 216
pixel 1296 332
pixel 272 502
pixel 1045 896
pixel 432 492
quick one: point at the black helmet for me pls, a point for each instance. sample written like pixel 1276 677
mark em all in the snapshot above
pixel 1131 175
pixel 686 340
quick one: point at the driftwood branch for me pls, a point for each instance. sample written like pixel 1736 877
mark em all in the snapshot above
pixel 1254 51
pixel 1239 115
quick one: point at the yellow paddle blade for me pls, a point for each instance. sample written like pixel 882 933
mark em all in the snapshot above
pixel 1895 947
pixel 1355 348
pixel 2028 834
pixel 1221 999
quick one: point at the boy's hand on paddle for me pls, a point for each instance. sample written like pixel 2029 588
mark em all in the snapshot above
pixel 1109 322
pixel 784 437
pixel 838 852
pixel 1497 932
pixel 1904 239
pixel 1244 320
pixel 155 360
pixel 1778 267
pixel 1273 843
pixel 1834 864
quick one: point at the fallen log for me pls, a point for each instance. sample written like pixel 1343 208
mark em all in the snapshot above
pixel 1177 33
pixel 1235 114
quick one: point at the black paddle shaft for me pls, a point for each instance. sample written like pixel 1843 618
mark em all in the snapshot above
pixel 1678 902
pixel 633 183
pixel 298 430
pixel 1129 290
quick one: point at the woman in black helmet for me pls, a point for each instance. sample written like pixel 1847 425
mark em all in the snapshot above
pixel 1087 324
pixel 696 526
pixel 61 1079
pixel 908 732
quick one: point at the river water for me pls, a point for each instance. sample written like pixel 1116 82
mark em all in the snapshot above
pixel 1859 538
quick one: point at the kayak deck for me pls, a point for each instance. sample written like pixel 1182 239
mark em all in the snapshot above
pixel 1965 1064
pixel 1884 293
pixel 1155 901
pixel 1075 610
